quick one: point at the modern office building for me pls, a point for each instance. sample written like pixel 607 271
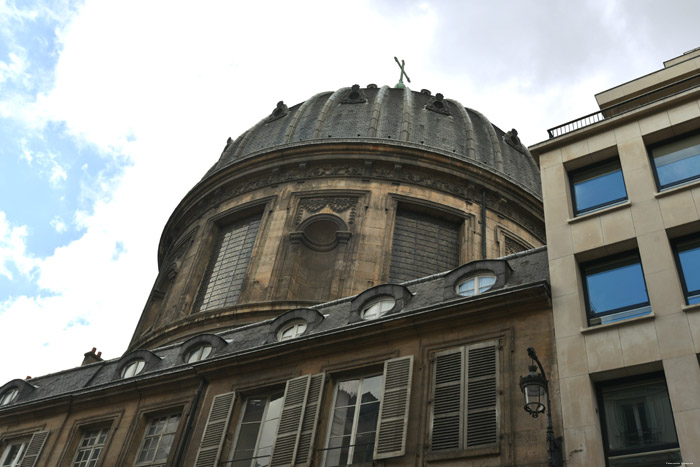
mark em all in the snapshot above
pixel 354 282
pixel 621 191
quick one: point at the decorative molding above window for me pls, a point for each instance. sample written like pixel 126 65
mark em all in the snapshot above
pixel 322 232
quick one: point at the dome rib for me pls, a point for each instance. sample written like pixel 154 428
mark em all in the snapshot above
pixel 470 139
pixel 407 117
pixel 322 115
pixel 493 137
pixel 376 112
pixel 291 128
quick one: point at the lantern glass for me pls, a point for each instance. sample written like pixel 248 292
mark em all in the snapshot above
pixel 534 392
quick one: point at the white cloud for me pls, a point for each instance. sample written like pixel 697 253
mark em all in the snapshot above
pixel 13 249
pixel 58 224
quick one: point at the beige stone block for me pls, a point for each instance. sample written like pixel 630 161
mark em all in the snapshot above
pixel 601 141
pixel 577 401
pixel 655 252
pixel 549 159
pixel 639 343
pixel 617 225
pixel 683 380
pixel 583 447
pixel 557 210
pixel 640 185
pixel 674 208
pixel 688 430
pixel 570 356
pixel 646 216
pixel 684 112
pixel 633 155
pixel 559 241
pixel 696 198
pixel 554 181
pixel 627 132
pixel 694 323
pixel 587 234
pixel 575 150
pixel 563 274
pixel 665 292
pixel 674 336
pixel 654 123
pixel 603 350
pixel 568 315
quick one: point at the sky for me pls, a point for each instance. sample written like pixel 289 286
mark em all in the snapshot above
pixel 110 111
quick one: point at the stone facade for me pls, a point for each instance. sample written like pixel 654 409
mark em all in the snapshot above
pixel 662 339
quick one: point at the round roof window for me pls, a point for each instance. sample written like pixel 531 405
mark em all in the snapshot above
pixel 378 307
pixel 476 285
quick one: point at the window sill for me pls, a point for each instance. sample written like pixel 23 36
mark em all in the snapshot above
pixel 593 329
pixel 600 211
pixel 472 452
pixel 691 308
pixel 689 185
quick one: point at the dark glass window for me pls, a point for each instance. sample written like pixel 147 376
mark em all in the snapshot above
pixel 688 255
pixel 677 162
pixel 615 289
pixel 637 423
pixel 597 186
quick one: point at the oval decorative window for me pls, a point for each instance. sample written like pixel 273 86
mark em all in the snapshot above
pixel 133 368
pixel 291 330
pixel 198 353
pixel 378 308
pixel 8 396
pixel 476 285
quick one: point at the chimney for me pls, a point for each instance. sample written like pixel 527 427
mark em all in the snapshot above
pixel 91 357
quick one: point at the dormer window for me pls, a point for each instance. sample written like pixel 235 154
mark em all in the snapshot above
pixel 292 330
pixel 378 308
pixel 476 285
pixel 8 396
pixel 133 368
pixel 198 353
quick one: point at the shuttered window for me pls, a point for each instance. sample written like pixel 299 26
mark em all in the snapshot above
pixel 36 444
pixel 224 277
pixel 464 398
pixel 370 415
pixel 422 245
pixel 215 430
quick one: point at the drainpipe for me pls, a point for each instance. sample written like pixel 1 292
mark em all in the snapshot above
pixel 483 224
pixel 190 422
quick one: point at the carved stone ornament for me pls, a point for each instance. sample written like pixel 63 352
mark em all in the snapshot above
pixel 280 111
pixel 437 104
pixel 335 204
pixel 513 140
pixel 354 96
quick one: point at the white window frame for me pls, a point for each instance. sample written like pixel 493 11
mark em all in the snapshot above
pixel 477 287
pixel 376 308
pixel 102 433
pixel 199 353
pixel 356 417
pixel 133 368
pixel 8 396
pixel 239 424
pixel 160 435
pixel 297 328
pixel 23 443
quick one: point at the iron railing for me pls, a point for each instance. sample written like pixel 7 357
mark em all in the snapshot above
pixel 624 106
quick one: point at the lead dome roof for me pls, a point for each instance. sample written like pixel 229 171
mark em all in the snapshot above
pixel 398 117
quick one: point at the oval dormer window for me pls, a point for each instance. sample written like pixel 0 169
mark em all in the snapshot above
pixel 133 368
pixel 291 330
pixel 8 396
pixel 476 285
pixel 378 308
pixel 198 353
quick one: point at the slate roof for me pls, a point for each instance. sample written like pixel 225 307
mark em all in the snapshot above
pixel 398 117
pixel 528 268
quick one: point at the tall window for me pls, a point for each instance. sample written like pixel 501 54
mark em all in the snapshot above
pixel 158 440
pixel 354 421
pixel 91 444
pixel 688 256
pixel 615 289
pixel 676 162
pixel 464 402
pixel 14 452
pixel 637 423
pixel 422 245
pixel 227 269
pixel 257 430
pixel 597 186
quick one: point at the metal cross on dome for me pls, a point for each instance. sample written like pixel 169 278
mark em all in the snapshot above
pixel 400 84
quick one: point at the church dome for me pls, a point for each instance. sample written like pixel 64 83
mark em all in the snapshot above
pixel 390 116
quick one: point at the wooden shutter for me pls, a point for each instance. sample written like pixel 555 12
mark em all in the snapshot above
pixel 310 422
pixel 482 395
pixel 215 430
pixel 289 429
pixel 36 444
pixel 393 409
pixel 447 400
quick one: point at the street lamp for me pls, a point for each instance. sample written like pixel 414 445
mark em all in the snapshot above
pixel 535 389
